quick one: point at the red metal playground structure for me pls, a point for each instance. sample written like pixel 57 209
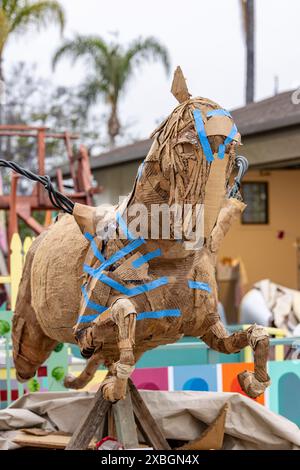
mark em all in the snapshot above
pixel 22 206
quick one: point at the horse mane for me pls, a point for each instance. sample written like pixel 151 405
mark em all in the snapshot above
pixel 177 134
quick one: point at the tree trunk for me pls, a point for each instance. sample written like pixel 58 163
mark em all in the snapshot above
pixel 1 67
pixel 113 124
pixel 250 31
pixel 2 96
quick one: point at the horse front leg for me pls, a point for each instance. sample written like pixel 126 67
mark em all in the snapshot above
pixel 252 383
pixel 122 313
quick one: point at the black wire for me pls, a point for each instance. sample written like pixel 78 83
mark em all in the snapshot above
pixel 59 200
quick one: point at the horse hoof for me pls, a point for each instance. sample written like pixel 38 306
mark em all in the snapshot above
pixel 81 337
pixel 250 385
pixel 69 381
pixel 109 390
pixel 87 353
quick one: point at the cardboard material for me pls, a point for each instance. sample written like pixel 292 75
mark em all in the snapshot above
pixel 92 293
pixel 46 440
pixel 212 438
pixel 84 216
pixel 179 87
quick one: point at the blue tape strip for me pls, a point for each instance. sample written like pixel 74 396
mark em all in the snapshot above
pixel 132 291
pixel 140 170
pixel 137 263
pixel 229 138
pixel 87 318
pixel 93 306
pixel 95 249
pixel 124 227
pixel 90 304
pixel 219 112
pixel 202 135
pixel 114 258
pixel 199 285
pixel 159 314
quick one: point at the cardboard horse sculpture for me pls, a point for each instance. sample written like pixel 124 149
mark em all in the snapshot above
pixel 89 280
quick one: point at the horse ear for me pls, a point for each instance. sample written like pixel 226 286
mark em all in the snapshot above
pixel 85 218
pixel 179 87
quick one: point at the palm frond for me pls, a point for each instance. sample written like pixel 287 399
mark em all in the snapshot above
pixel 4 28
pixel 39 14
pixel 92 90
pixel 90 46
pixel 9 6
pixel 148 49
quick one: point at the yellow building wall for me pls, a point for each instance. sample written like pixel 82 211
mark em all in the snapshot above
pixel 264 255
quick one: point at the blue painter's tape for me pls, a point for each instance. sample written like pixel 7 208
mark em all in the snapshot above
pixel 95 249
pixel 140 170
pixel 90 304
pixel 199 285
pixel 218 112
pixel 137 263
pixel 114 258
pixel 229 138
pixel 87 318
pixel 202 135
pixel 158 314
pixel 124 227
pixel 136 290
pixel 93 306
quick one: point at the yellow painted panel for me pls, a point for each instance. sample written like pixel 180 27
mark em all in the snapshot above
pixel 3 374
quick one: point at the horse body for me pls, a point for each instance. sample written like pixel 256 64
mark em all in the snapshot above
pixel 119 294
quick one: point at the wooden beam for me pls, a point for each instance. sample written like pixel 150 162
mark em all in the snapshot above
pixel 90 423
pixel 125 424
pixel 146 421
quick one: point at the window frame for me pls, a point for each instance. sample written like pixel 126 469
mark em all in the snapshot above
pixel 267 215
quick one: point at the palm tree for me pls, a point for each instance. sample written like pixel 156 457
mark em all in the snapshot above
pixel 249 30
pixel 17 15
pixel 112 66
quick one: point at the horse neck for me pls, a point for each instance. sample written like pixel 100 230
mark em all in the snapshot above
pixel 149 201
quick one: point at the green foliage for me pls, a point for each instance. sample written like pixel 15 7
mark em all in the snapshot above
pixel 59 347
pixel 111 67
pixel 16 16
pixel 58 373
pixel 4 327
pixel 33 385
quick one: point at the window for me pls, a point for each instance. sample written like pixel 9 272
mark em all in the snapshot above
pixel 255 195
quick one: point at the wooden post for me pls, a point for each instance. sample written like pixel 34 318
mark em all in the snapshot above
pixel 90 423
pixel 13 217
pixel 125 424
pixel 41 151
pixel 16 267
pixel 146 421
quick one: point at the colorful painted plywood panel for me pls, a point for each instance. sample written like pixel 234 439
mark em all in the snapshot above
pixel 151 379
pixel 229 378
pixel 284 394
pixel 200 378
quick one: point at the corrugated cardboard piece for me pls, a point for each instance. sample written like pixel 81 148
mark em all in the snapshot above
pixel 179 86
pixel 172 293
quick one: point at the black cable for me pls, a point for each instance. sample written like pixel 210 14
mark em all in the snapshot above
pixel 59 200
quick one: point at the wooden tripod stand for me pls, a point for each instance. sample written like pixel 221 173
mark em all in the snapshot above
pixel 128 415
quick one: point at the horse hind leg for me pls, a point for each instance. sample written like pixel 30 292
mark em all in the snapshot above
pixel 31 347
pixel 123 314
pixel 86 375
pixel 252 383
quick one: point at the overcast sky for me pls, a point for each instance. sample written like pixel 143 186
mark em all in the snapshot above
pixel 203 36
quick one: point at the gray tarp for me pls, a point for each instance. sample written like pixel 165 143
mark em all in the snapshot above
pixel 181 415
